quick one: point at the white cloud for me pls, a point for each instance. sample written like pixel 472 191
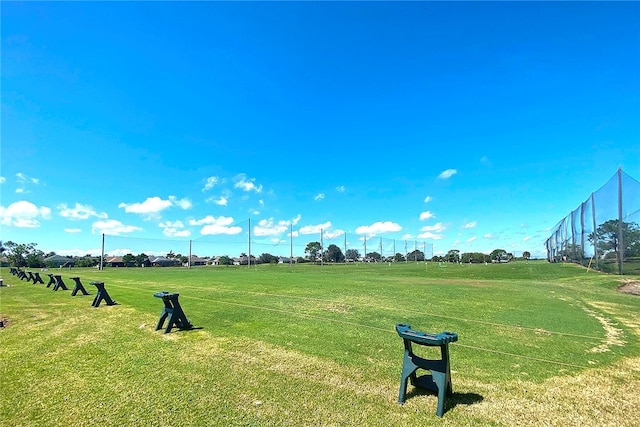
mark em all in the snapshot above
pixel 319 196
pixel 296 220
pixel 213 225
pixel 426 215
pixel 406 237
pixel 168 224
pixel 112 227
pixel 175 232
pixel 428 199
pixel 488 236
pixel 211 182
pixel 340 189
pixel 379 227
pixel 181 203
pixel 23 214
pixel 432 231
pixel 528 238
pixel 245 184
pixel 154 205
pixel 470 224
pixel 446 174
pixel 79 212
pixel 471 239
pixel 315 229
pixel 332 234
pixel 72 230
pixel 2 179
pixel 267 227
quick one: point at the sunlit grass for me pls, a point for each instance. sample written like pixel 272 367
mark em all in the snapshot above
pixel 316 345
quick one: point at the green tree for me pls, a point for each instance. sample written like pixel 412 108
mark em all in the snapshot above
pixel 526 254
pixel 399 257
pixel 267 258
pixel 608 236
pixel 415 256
pixel 498 254
pixel 128 260
pixel 313 249
pixel 334 254
pixel 19 253
pixel 374 256
pixel 352 255
pixel 453 255
pixel 142 260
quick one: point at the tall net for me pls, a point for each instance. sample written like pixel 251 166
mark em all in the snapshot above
pixel 603 232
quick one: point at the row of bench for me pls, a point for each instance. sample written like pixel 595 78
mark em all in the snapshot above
pixel 439 379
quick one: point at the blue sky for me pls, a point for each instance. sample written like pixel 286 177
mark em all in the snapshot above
pixel 466 125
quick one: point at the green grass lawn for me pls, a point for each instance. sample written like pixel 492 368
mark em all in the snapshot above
pixel 539 344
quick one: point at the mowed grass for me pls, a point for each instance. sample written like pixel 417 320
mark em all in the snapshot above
pixel 539 344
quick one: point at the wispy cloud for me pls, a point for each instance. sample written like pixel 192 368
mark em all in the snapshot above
pixel 79 212
pixel 72 230
pixel 211 182
pixel 315 229
pixel 246 184
pixel 471 239
pixel 112 227
pixel 428 199
pixel 446 174
pixel 340 189
pixel 426 215
pixel 174 229
pixel 319 196
pixel 24 181
pixel 470 224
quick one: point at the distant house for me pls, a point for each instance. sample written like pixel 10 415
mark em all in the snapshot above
pixel 195 260
pixel 56 261
pixel 115 261
pixel 160 261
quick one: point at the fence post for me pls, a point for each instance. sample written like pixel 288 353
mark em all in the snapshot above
pixel 595 230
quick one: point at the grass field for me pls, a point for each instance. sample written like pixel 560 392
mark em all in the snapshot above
pixel 539 344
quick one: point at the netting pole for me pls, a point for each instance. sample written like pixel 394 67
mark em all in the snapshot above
pixel 381 257
pixel 595 231
pixel 365 247
pixel 249 257
pixel 321 248
pixel 620 225
pixel 189 262
pixel 345 247
pixel 290 245
pixel 102 254
pixel 582 234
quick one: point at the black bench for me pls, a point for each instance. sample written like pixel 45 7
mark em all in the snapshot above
pixel 52 280
pixel 102 295
pixel 37 279
pixel 78 287
pixel 173 311
pixel 59 283
pixel 440 378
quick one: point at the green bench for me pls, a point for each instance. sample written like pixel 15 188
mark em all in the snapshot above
pixel 173 311
pixel 440 378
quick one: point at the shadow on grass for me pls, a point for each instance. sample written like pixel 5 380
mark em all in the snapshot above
pixel 450 401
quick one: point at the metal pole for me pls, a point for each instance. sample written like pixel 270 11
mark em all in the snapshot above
pixel 620 224
pixel 102 254
pixel 365 247
pixel 595 230
pixel 290 244
pixel 321 248
pixel 249 257
pixel 189 262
